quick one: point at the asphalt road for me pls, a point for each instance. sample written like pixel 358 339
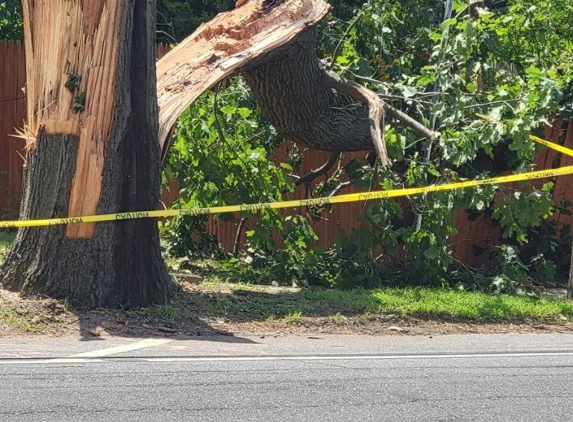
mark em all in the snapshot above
pixel 461 378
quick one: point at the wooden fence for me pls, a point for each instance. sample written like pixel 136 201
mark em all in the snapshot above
pixel 475 234
pixel 12 115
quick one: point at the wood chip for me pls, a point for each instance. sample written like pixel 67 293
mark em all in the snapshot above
pixel 167 330
pixel 400 329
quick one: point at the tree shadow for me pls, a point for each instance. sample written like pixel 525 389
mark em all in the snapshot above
pixel 217 312
pixel 197 313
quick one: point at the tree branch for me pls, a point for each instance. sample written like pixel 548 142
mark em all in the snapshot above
pixel 238 234
pixel 310 177
pixel 375 109
pixel 409 121
pixel 340 186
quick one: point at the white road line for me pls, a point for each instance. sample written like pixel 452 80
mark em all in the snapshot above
pixel 150 342
pixel 354 357
pixel 67 360
pixel 70 359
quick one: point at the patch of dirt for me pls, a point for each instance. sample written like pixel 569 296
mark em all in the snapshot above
pixel 408 326
pixel 22 317
pixel 26 317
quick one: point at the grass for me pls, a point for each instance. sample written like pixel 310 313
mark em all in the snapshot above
pixel 218 299
pixel 11 318
pixel 294 317
pixel 426 303
pixel 240 302
pixel 23 321
pixel 338 318
pixel 168 313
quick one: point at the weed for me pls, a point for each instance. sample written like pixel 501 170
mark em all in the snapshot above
pixel 294 317
pixel 337 318
pixel 167 312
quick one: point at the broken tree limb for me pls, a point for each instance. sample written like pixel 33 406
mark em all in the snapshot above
pixel 375 109
pixel 294 93
pixel 221 47
pixel 313 174
pixel 409 121
pixel 272 44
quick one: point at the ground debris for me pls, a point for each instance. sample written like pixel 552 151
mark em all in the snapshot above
pixel 207 309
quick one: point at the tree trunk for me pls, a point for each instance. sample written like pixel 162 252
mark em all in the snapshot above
pixel 93 148
pixel 570 281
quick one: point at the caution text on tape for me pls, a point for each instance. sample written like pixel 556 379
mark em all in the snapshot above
pixel 353 197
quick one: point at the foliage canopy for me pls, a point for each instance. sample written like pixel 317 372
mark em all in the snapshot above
pixel 11 27
pixel 513 63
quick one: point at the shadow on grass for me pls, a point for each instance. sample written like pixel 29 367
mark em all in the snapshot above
pixel 201 313
pixel 211 310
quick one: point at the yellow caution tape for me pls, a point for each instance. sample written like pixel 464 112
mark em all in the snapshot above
pixel 552 145
pixel 353 197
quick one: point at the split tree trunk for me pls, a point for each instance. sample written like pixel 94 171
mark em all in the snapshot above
pixel 92 130
pixel 223 47
pixel 272 44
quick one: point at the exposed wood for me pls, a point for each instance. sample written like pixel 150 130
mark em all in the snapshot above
pixel 69 60
pixel 221 47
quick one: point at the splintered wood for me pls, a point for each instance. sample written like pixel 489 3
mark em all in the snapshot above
pixel 72 53
pixel 221 47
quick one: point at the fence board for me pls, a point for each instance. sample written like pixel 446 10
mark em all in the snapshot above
pixel 12 115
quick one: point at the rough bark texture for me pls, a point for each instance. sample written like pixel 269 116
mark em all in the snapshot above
pixel 293 91
pixel 121 264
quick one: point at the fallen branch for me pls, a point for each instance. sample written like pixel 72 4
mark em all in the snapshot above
pixel 375 109
pixel 310 177
pixel 409 121
pixel 224 45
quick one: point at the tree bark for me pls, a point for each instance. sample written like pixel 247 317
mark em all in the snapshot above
pixel 570 280
pixel 301 101
pixel 93 148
